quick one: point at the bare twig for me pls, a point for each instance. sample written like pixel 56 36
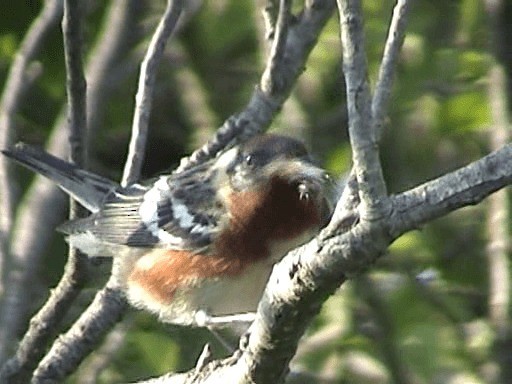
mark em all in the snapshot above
pixel 21 75
pixel 388 65
pixel 365 153
pixel 270 83
pixel 262 107
pixel 144 95
pixel 75 79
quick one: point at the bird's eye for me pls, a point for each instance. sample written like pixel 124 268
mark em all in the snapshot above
pixel 249 160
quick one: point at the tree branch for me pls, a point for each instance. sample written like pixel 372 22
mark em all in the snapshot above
pixel 42 200
pixel 262 107
pixel 384 86
pixel 270 83
pixel 144 97
pixel 365 153
pixel 84 335
pixel 21 75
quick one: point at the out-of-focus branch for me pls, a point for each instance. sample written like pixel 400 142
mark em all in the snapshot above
pixel 76 267
pixel 498 214
pixel 365 152
pixel 92 368
pixel 144 97
pixel 262 107
pixel 21 74
pixel 118 25
pixel 45 203
pixel 193 98
pixel 70 348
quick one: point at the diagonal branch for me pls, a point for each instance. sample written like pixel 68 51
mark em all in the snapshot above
pixel 144 97
pixel 384 86
pixel 262 107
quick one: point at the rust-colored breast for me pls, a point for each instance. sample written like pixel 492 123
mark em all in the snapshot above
pixel 258 220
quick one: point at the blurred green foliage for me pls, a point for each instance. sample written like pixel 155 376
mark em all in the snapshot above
pixel 431 331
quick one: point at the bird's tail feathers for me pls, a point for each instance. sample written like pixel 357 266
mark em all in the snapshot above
pixel 86 187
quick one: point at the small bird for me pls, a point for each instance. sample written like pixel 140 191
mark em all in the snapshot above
pixel 197 246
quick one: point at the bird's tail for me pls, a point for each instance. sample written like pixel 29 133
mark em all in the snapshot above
pixel 87 188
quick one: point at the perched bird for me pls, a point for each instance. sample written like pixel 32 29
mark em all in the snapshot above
pixel 198 245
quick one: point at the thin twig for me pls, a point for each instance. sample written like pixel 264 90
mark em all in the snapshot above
pixel 262 108
pixel 270 83
pixel 145 91
pixel 384 86
pixel 365 153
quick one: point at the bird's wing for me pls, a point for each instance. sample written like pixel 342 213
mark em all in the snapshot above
pixel 179 211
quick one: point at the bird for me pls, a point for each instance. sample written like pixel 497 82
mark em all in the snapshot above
pixel 196 247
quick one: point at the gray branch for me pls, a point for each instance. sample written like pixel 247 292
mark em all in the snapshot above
pixel 84 335
pixel 365 153
pixel 395 39
pixel 262 107
pixel 21 74
pixel 144 97
pixel 43 202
